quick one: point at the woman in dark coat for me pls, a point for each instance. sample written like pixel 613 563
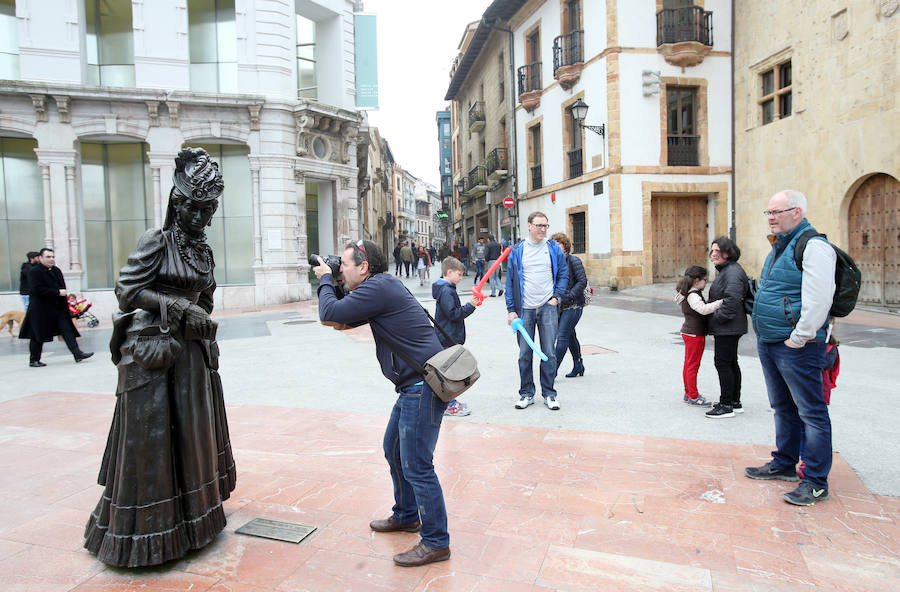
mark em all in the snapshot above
pixel 168 464
pixel 570 309
pixel 727 324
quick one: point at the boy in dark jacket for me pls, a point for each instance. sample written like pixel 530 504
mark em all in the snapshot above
pixel 450 315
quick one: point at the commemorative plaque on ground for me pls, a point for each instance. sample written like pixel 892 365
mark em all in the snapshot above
pixel 273 529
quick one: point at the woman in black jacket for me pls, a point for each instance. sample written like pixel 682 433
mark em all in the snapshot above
pixel 727 324
pixel 570 309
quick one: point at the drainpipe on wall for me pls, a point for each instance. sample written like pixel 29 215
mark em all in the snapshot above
pixel 511 152
pixel 733 230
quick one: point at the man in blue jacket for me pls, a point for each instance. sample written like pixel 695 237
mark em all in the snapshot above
pixel 396 317
pixel 790 317
pixel 536 279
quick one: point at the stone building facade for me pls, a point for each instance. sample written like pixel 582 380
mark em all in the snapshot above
pixel 817 109
pixel 645 184
pixel 97 99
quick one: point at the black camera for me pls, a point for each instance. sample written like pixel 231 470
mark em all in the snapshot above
pixel 332 261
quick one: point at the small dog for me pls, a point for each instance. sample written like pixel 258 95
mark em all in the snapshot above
pixel 8 318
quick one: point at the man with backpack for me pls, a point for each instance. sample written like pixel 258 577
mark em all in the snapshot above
pixel 790 317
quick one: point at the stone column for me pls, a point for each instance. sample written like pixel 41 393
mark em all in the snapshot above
pixel 257 222
pixel 162 166
pixel 61 221
pixel 74 228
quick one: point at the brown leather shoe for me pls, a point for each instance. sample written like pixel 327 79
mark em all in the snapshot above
pixel 421 554
pixel 389 525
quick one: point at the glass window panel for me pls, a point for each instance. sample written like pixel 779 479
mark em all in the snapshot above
pixel 93 182
pixel 768 111
pixel 687 112
pixel 91 33
pixel 9 36
pixel 239 250
pixel 24 236
pixel 202 30
pixel 226 31
pixel 22 185
pixel 306 30
pixel 92 75
pixel 785 74
pixel 785 104
pixel 97 254
pixel 124 234
pixel 116 39
pixel 204 77
pixel 120 75
pixel 125 178
pixel 768 82
pixel 228 77
pixel 9 281
pixel 237 199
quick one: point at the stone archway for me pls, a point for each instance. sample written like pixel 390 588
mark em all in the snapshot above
pixel 874 227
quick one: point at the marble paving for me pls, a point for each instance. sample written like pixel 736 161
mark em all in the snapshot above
pixel 531 509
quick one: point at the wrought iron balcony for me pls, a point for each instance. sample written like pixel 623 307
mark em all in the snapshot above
pixel 683 150
pixel 576 168
pixel 568 49
pixel 530 85
pixel 689 23
pixel 537 181
pixel 476 116
pixel 495 164
pixel 684 35
pixel 476 182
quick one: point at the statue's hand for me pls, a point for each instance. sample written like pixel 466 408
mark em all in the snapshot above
pixel 176 309
pixel 196 318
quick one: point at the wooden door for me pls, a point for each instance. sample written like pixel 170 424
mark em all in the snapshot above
pixel 875 239
pixel 679 230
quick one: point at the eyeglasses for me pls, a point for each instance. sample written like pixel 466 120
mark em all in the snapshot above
pixel 542 226
pixel 776 212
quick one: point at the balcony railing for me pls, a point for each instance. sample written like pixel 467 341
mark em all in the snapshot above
pixel 683 150
pixel 476 181
pixel 476 116
pixel 689 23
pixel 568 49
pixel 537 181
pixel 575 163
pixel 530 78
pixel 495 163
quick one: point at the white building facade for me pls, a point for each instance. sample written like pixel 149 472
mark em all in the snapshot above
pixel 643 199
pixel 97 98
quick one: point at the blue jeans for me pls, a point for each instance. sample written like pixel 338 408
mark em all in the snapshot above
pixel 25 298
pixel 794 381
pixel 409 441
pixel 565 335
pixel 465 261
pixel 479 269
pixel 546 319
pixel 495 278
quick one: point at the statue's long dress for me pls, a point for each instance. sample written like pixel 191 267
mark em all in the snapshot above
pixel 168 464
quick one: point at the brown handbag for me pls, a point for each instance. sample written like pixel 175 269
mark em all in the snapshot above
pixel 155 347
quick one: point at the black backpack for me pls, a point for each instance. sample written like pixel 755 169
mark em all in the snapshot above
pixel 847 276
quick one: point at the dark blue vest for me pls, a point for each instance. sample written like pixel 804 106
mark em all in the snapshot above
pixel 776 309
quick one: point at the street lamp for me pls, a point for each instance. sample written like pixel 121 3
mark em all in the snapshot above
pixel 461 186
pixel 579 111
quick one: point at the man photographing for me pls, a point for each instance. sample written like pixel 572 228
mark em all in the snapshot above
pixel 382 300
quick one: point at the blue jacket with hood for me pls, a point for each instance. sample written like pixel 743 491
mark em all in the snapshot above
pixel 448 313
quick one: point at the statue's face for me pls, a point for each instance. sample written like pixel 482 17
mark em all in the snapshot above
pixel 194 216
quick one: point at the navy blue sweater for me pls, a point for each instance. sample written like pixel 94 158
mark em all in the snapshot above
pixel 385 303
pixel 448 313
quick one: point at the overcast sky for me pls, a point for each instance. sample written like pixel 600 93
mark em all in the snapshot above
pixel 417 41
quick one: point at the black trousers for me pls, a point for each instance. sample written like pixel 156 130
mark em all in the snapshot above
pixel 65 328
pixel 726 362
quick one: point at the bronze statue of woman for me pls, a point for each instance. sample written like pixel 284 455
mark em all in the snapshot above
pixel 168 464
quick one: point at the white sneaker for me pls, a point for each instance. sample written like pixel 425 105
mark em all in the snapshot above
pixel 551 403
pixel 524 402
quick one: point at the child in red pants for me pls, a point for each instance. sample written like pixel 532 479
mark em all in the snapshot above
pixel 693 331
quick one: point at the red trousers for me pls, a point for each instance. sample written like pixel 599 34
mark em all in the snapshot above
pixel 693 352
